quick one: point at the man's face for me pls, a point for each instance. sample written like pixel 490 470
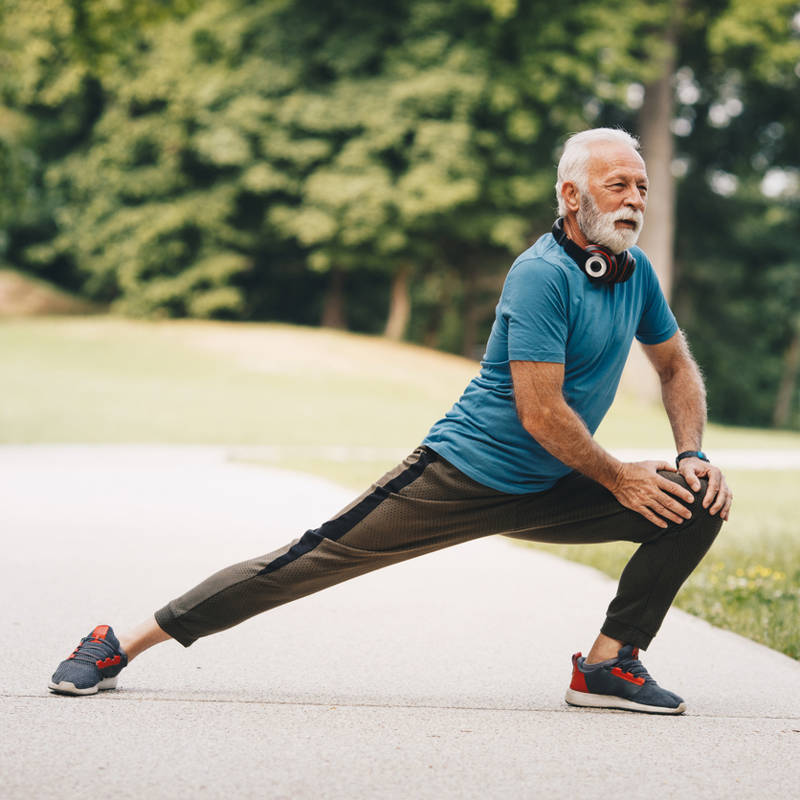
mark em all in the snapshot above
pixel 611 213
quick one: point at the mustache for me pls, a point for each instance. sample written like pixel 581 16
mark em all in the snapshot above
pixel 628 215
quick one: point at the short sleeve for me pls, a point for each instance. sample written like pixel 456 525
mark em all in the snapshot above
pixel 535 302
pixel 657 323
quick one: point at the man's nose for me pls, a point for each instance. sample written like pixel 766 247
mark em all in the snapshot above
pixel 634 199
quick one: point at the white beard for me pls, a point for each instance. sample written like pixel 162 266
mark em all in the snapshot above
pixel 599 228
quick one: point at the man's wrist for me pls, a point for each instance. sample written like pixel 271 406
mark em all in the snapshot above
pixel 690 454
pixel 611 474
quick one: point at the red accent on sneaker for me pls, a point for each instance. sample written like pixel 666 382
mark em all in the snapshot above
pixel 100 632
pixel 578 682
pixel 109 662
pixel 627 676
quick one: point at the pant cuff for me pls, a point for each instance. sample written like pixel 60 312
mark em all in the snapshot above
pixel 167 622
pixel 627 634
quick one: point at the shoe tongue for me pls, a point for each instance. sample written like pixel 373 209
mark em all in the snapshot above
pixel 103 633
pixel 628 651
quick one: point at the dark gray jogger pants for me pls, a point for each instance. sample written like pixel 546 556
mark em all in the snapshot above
pixel 425 504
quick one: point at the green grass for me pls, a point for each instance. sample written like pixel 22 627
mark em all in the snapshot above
pixel 109 380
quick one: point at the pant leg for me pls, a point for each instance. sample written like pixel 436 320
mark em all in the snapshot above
pixel 421 506
pixel 656 570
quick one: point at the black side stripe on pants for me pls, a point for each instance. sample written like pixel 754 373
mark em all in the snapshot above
pixel 336 528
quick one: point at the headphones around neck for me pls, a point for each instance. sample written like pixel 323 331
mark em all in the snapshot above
pixel 598 263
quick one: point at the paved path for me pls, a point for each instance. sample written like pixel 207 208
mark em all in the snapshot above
pixel 438 678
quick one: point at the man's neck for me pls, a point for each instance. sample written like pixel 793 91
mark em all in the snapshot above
pixel 572 229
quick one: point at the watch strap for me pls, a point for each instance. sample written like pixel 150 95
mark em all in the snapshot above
pixel 690 454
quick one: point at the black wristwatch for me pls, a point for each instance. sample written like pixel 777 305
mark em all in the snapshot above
pixel 690 454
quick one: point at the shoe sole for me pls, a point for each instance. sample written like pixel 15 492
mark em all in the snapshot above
pixel 67 687
pixel 588 700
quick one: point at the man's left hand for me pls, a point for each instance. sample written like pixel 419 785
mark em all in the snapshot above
pixel 718 497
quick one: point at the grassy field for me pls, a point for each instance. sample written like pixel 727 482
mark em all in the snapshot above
pixel 344 407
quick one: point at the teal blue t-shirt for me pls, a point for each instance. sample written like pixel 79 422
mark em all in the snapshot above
pixel 548 311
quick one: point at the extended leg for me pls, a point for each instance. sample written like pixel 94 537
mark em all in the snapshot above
pixel 423 505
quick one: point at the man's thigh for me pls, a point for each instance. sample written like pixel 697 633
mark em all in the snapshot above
pixel 578 510
pixel 426 503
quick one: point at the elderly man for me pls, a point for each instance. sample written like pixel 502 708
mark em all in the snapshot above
pixel 515 454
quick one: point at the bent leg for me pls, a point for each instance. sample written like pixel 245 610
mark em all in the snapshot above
pixel 580 511
pixel 657 570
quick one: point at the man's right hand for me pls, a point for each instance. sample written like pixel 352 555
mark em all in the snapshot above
pixel 638 486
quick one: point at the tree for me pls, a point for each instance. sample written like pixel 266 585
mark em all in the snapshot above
pixel 391 139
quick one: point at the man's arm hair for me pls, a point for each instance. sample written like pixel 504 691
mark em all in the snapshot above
pixel 684 397
pixel 682 390
pixel 545 415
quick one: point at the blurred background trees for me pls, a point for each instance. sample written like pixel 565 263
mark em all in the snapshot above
pixel 377 166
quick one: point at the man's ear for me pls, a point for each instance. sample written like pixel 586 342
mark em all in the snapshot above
pixel 571 195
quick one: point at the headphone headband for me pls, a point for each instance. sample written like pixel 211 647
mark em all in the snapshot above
pixel 598 263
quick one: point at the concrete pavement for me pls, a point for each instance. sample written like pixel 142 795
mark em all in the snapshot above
pixel 439 678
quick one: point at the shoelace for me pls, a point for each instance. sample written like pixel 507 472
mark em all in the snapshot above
pixel 634 667
pixel 92 650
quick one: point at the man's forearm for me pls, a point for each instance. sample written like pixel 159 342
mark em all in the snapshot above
pixel 545 415
pixel 563 434
pixel 684 398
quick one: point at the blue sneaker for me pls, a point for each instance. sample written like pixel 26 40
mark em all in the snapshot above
pixel 93 665
pixel 622 682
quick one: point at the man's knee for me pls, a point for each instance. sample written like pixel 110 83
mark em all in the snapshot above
pixel 701 516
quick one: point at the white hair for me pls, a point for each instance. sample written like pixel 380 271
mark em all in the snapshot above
pixel 574 162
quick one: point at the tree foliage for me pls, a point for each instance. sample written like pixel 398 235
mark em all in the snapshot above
pixel 343 135
pixel 241 160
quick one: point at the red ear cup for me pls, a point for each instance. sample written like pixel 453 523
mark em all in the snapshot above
pixel 603 266
pixel 626 264
pixel 600 264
